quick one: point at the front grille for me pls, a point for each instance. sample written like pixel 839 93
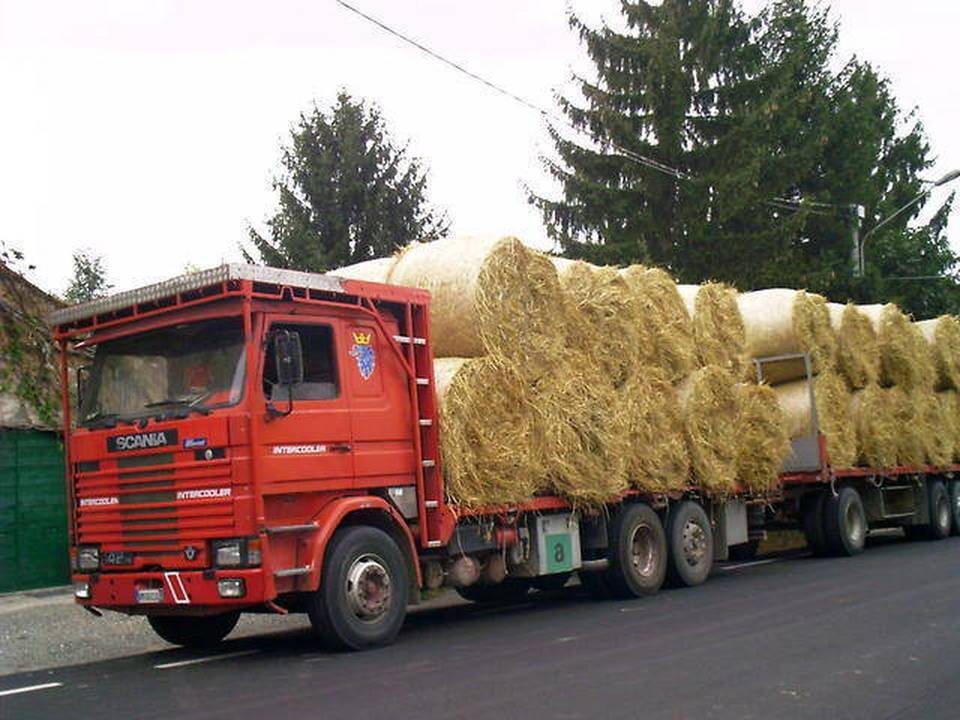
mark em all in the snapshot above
pixel 156 507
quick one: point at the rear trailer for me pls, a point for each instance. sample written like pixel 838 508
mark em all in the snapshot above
pixel 261 440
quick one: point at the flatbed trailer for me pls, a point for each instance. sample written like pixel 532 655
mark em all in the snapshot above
pixel 258 440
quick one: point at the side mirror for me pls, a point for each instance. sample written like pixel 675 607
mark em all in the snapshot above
pixel 288 354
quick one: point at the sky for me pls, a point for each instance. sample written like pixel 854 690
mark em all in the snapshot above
pixel 149 131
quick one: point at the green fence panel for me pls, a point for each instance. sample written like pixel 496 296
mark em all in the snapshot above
pixel 33 523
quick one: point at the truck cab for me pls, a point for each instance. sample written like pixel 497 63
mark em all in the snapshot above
pixel 235 427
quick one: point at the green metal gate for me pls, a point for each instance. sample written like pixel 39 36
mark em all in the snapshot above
pixel 33 520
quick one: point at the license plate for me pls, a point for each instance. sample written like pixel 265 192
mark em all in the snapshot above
pixel 149 595
pixel 117 557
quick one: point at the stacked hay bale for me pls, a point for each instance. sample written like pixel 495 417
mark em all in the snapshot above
pixel 718 330
pixel 779 321
pixel 832 402
pixel 908 375
pixel 666 321
pixel 858 356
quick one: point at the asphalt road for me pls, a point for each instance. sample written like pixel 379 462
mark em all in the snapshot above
pixel 877 636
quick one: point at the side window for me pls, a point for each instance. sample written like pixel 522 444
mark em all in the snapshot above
pixel 319 365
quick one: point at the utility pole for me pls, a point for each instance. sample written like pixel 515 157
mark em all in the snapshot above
pixel 856 249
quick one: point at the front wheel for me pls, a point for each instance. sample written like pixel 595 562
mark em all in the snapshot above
pixel 954 492
pixel 194 631
pixel 362 598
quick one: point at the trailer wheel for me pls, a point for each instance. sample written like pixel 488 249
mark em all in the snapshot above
pixel 637 551
pixel 510 590
pixel 362 598
pixel 194 631
pixel 941 510
pixel 690 540
pixel 845 522
pixel 954 492
pixel 811 508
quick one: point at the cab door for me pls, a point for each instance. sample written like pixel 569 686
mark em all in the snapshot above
pixel 311 448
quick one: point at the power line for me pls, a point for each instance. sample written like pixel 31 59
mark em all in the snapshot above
pixel 629 154
pixel 779 203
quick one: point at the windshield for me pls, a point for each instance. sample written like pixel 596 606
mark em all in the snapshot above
pixel 177 369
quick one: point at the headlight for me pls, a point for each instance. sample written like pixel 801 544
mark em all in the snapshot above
pixel 81 590
pixel 88 557
pixel 228 553
pixel 231 588
pixel 236 552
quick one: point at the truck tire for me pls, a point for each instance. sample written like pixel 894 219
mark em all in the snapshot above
pixel 362 599
pixel 637 552
pixel 845 522
pixel 194 631
pixel 811 508
pixel 690 542
pixel 508 591
pixel 941 510
pixel 954 491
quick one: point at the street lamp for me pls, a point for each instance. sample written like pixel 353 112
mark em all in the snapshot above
pixel 859 267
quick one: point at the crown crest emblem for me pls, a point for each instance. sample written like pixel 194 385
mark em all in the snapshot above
pixel 362 338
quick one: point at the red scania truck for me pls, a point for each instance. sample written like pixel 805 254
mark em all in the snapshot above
pixel 248 439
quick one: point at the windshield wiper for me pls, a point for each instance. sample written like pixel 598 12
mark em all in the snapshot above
pixel 191 402
pixel 101 420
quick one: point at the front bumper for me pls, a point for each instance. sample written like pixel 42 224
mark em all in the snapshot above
pixel 191 592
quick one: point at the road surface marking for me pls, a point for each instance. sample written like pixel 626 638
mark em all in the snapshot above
pixel 566 638
pixel 751 564
pixel 29 688
pixel 197 661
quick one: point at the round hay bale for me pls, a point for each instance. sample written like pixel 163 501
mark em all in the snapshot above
pixel 904 357
pixel 911 445
pixel 490 295
pixel 710 419
pixel 858 356
pixel 581 438
pixel 718 331
pixel 780 321
pixel 658 460
pixel 763 443
pixel 833 414
pixel 607 323
pixel 376 270
pixel 666 318
pixel 876 427
pixel 486 429
pixel 938 441
pixel 950 417
pixel 943 338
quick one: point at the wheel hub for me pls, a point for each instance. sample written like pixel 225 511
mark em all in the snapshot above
pixel 694 542
pixel 643 551
pixel 368 587
pixel 943 513
pixel 853 524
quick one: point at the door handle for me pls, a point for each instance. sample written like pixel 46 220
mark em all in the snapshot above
pixel 340 448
